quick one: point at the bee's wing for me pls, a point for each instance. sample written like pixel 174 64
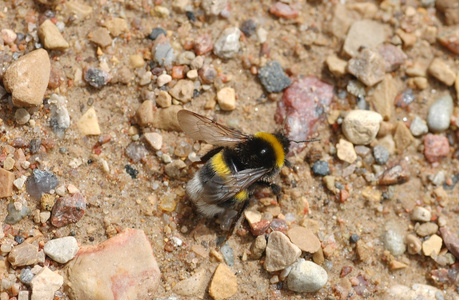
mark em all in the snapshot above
pixel 229 186
pixel 204 129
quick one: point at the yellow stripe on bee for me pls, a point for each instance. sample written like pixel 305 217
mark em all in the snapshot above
pixel 219 165
pixel 241 196
pixel 277 146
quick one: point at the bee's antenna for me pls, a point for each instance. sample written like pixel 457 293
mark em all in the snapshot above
pixel 306 141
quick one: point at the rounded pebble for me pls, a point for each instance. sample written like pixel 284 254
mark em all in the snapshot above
pixel 62 250
pixel 226 98
pixel 321 168
pixel 413 243
pixel 439 115
pixel 306 277
pixel 155 32
pixel 421 214
pixel 393 240
pixel 418 127
pixel 426 229
pixel 21 116
pixel 381 154
pixel 361 126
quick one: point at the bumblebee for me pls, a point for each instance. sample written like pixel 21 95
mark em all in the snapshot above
pixel 232 170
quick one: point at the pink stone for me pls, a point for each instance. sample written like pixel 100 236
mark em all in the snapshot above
pixel 283 10
pixel 203 44
pixel 436 147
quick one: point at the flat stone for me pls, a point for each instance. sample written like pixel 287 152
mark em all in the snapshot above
pixel 155 140
pixel 402 137
pixel 432 245
pixel 223 284
pixel 166 118
pixel 413 244
pixel 383 97
pixel 364 33
pixel 226 98
pixel 144 114
pixel 51 37
pixel 346 151
pixel 68 209
pixel 306 277
pixel 213 7
pixel 368 66
pixel 361 126
pixel 194 285
pixel 426 229
pixel 440 112
pixel 45 284
pixel 273 77
pixel 24 254
pixel 6 183
pixel 79 9
pixel 117 26
pixel 284 10
pixel 88 124
pixel 163 52
pixel 62 249
pixel 227 45
pixel 122 267
pixel 421 214
pixel 280 252
pixel 409 39
pixel 183 90
pixel 336 65
pixel 27 78
pixel 305 239
pixel 442 71
pixel 101 37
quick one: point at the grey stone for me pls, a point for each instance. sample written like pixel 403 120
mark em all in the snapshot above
pixel 62 249
pixel 273 77
pixel 321 168
pixel 15 215
pixel 306 277
pixel 393 239
pixel 418 127
pixel 440 113
pixel 21 116
pixel 368 66
pixel 365 33
pixel 381 154
pixel 26 276
pixel 227 45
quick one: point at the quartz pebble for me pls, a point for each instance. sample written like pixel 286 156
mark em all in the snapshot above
pixel 345 151
pixel 336 65
pixel 306 277
pixel 421 214
pixel 273 77
pixel 68 209
pixel 439 114
pixel 45 284
pixel 393 239
pixel 50 36
pixel 416 291
pixel 16 212
pixel 426 229
pixel 8 36
pixel 24 254
pixel 368 66
pixel 226 98
pixel 155 140
pixel 27 78
pixel 418 127
pixel 361 126
pixel 440 70
pixel 164 54
pixel 136 151
pixel 88 124
pixel 62 249
pixel 93 265
pixel 163 79
pixel 223 284
pixel 227 45
pixel 305 239
pixel 436 147
pixel 194 285
pixel 432 245
pixel 213 7
pixel 163 99
pixel 413 244
pixel 21 116
pixel 117 26
pixel 280 252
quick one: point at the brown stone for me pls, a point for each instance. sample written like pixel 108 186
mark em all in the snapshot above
pixel 101 37
pixel 383 97
pixel 6 183
pixel 436 147
pixel 68 209
pixel 224 283
pixel 144 114
pixel 402 137
pixel 24 254
pixel 166 118
pixel 304 239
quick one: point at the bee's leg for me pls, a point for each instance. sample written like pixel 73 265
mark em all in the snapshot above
pixel 209 154
pixel 288 164
pixel 274 187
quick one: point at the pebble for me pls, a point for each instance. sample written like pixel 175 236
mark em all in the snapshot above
pixel 418 127
pixel 132 252
pixel 280 252
pixel 117 26
pixel 258 247
pixel 426 229
pixel 226 98
pixel 27 78
pixel 364 33
pixel 155 32
pixel 88 124
pixel 136 61
pixel 183 90
pixel 136 151
pixel 6 183
pixel 60 120
pixel 163 52
pixel 432 246
pixel 345 151
pixel 262 35
pixel 45 284
pixel 336 65
pixel 213 7
pixel 163 79
pixel 436 147
pixel 61 250
pixel 321 168
pixel 248 27
pixel 186 57
pixel 79 9
pixel 192 74
pixel 395 175
pixel 451 241
pixel 101 37
pixel 273 77
pixel 41 182
pixel 223 284
pixel 368 66
pixel 208 74
pixel 144 114
pixel 163 99
pixel 252 216
pixel 227 45
pixel 166 118
pixel 306 277
pixel 361 126
pixel 383 97
pixel 393 239
pixel 227 253
pixel 175 169
pixel 44 216
pixel 26 276
pixel 8 36
pixel 50 36
pixel 421 214
pixel 68 209
pixel 402 137
pixel 203 45
pixel 47 202
pixel 413 244
pixel 95 77
pixel 440 112
pixel 145 79
pixel 197 63
pixel 155 140
pixel 24 254
pixel 393 57
pixel 283 10
pixel 441 70
pixel 381 154
pixel 21 116
pixel 405 98
pixel 14 214
pixel 416 291
pixel 449 38
pixel 304 238
pixel 194 285
pixel 19 182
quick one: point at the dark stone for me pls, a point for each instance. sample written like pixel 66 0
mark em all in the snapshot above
pixel 273 78
pixel 131 171
pixel 321 168
pixel 381 154
pixel 41 182
pixel 354 238
pixel 19 239
pixel 248 27
pixel 96 77
pixel 191 16
pixel 68 209
pixel 34 146
pixel 155 32
pixel 26 276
